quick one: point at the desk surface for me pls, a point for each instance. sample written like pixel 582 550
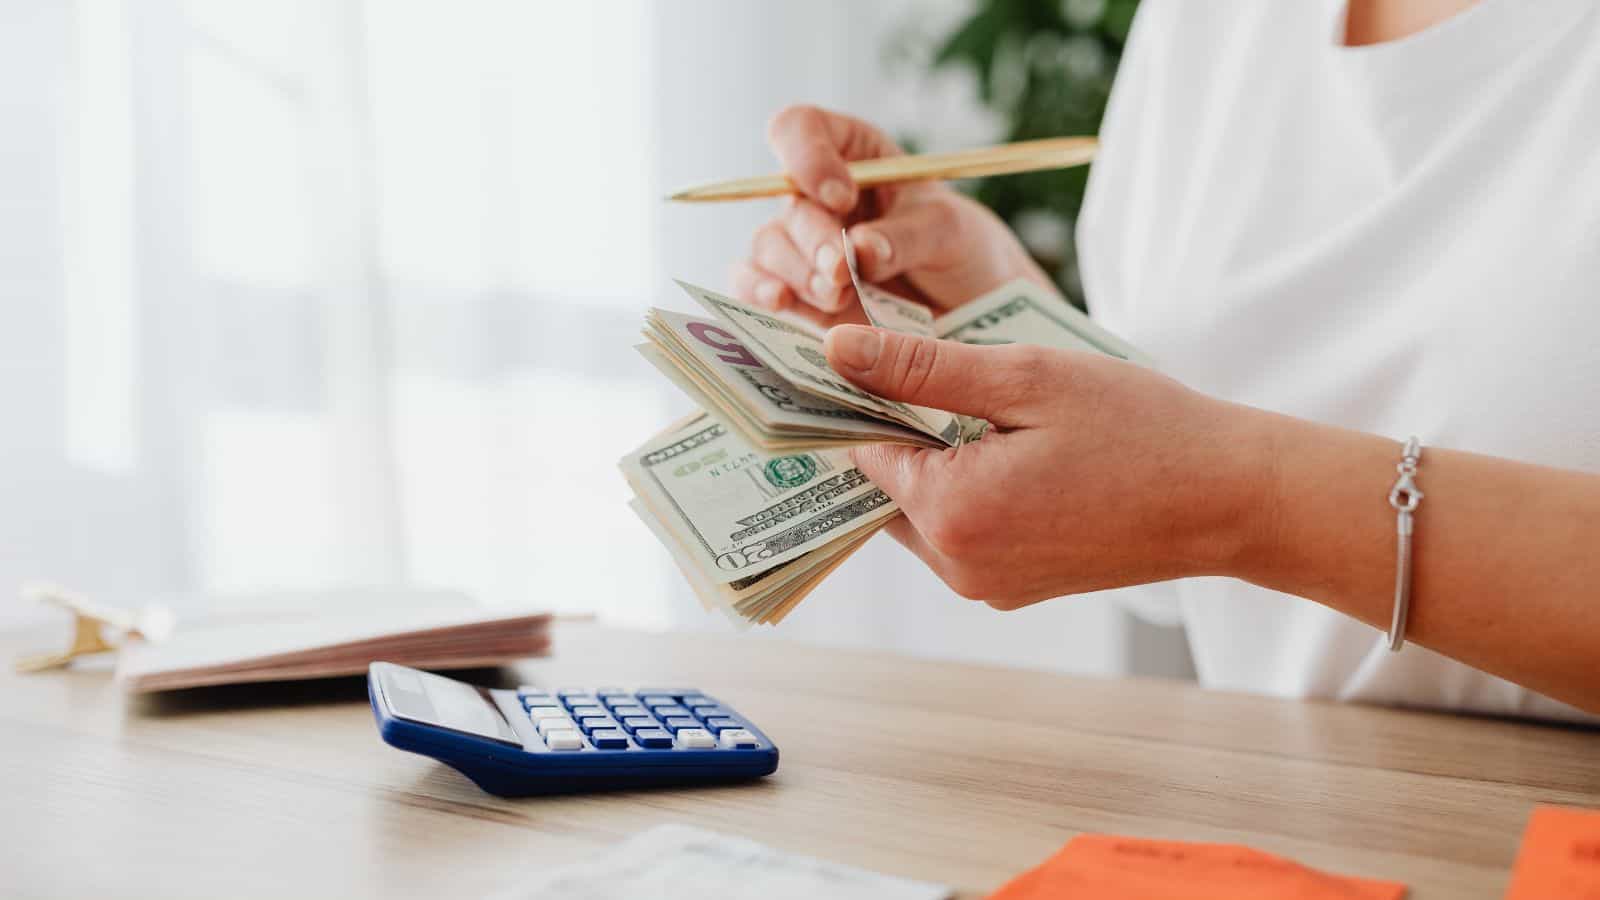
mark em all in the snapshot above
pixel 960 774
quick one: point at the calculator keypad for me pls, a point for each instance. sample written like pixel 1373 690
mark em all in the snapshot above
pixel 573 719
pixel 735 738
pixel 653 739
pixel 696 739
pixel 564 740
pixel 609 739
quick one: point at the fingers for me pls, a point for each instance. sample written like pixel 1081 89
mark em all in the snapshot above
pixel 1008 385
pixel 926 234
pixel 893 467
pixel 813 144
pixel 802 250
pixel 774 254
pixel 816 234
pixel 901 529
pixel 752 285
pixel 915 479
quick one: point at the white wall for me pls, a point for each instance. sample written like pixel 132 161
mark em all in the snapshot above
pixel 153 511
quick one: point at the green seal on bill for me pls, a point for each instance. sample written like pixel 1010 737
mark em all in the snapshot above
pixel 790 471
pixel 813 357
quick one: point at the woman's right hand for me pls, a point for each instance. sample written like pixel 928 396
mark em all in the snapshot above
pixel 923 240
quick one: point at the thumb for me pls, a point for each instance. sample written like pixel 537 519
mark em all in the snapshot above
pixel 996 383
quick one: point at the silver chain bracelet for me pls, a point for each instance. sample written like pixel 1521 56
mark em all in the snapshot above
pixel 1404 497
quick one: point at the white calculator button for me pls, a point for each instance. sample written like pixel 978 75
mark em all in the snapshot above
pixel 737 737
pixel 563 739
pixel 546 712
pixel 696 739
pixel 546 726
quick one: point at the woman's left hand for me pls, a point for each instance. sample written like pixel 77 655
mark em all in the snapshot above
pixel 1098 473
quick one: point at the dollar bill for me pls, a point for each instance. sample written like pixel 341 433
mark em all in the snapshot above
pixel 796 354
pixel 719 373
pixel 740 511
pixel 883 309
pixel 1023 312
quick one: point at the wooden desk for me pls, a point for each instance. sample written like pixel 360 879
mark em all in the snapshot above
pixel 960 774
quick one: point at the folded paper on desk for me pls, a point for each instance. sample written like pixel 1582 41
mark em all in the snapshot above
pixel 670 862
pixel 325 645
pixel 1560 856
pixel 1106 867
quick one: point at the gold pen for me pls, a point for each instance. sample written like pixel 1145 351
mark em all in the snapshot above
pixel 1006 159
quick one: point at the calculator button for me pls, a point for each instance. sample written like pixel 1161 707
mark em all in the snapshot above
pixel 574 692
pixel 634 723
pixel 713 712
pixel 624 711
pixel 678 723
pixel 694 700
pixel 696 739
pixel 609 739
pixel 532 700
pixel 653 738
pixel 585 700
pixel 546 712
pixel 564 740
pixel 658 700
pixel 663 712
pixel 611 692
pixel 721 723
pixel 579 712
pixel 545 726
pixel 590 723
pixel 667 691
pixel 735 738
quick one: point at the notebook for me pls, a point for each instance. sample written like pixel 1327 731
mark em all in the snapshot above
pixel 321 644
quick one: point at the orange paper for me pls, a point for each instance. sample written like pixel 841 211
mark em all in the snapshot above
pixel 1106 867
pixel 1560 856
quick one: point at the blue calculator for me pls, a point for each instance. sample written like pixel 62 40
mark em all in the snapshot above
pixel 538 741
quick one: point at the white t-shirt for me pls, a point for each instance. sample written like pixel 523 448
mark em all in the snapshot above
pixel 1402 238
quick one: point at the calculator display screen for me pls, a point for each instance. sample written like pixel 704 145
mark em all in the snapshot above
pixel 434 700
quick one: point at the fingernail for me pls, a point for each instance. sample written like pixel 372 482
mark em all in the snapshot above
pixel 822 288
pixel 882 251
pixel 767 293
pixel 835 194
pixel 828 258
pixel 855 346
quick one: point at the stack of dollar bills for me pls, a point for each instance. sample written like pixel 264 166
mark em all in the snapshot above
pixel 755 496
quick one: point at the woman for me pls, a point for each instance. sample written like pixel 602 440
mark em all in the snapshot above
pixel 1335 225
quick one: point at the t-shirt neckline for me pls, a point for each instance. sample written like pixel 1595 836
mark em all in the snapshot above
pixel 1477 39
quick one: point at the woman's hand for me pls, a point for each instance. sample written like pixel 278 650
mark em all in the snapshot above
pixel 922 240
pixel 1097 473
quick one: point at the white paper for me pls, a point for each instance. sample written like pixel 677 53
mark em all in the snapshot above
pixel 674 861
